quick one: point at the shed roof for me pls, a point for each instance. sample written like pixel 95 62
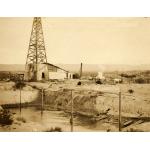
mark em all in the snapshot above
pixel 56 66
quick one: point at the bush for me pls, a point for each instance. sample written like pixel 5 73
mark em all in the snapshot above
pixel 56 129
pixel 140 80
pixel 21 119
pixel 131 91
pixel 34 87
pixel 128 76
pixel 98 82
pixel 79 83
pixel 5 117
pixel 18 85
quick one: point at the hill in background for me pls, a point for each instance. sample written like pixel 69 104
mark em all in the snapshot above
pixel 86 67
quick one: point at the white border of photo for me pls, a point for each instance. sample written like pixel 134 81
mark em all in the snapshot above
pixel 80 140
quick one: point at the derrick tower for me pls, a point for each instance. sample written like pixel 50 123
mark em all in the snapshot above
pixel 36 51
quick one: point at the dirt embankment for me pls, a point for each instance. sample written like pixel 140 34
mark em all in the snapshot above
pixel 83 101
pixel 10 95
pixel 92 99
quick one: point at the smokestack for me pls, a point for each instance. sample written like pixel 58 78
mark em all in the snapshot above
pixel 81 71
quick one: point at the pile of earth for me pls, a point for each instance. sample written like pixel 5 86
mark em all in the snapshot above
pixel 84 101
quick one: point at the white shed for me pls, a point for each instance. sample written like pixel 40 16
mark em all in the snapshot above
pixel 46 71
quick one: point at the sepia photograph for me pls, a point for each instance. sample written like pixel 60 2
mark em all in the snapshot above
pixel 74 74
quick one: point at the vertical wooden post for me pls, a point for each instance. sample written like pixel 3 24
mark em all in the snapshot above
pixel 120 111
pixel 71 120
pixel 20 100
pixel 42 102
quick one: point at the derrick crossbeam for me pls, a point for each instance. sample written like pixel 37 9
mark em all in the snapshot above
pixel 36 50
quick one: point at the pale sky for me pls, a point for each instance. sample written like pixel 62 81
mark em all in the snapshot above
pixel 75 40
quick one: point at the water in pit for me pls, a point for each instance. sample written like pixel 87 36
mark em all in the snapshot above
pixel 51 119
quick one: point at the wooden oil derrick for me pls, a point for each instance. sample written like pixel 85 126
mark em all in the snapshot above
pixel 36 51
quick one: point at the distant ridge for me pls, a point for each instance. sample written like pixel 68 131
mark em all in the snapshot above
pixel 86 67
pixel 12 67
pixel 103 67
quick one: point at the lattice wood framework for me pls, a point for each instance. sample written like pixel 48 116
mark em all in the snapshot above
pixel 36 52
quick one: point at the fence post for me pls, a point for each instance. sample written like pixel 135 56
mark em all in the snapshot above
pixel 71 120
pixel 119 111
pixel 42 102
pixel 20 99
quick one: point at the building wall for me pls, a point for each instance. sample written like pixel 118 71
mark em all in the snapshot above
pixel 42 72
pixel 57 75
pixel 60 74
pixel 70 75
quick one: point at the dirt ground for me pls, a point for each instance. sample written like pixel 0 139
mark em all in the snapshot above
pixel 10 95
pixel 98 101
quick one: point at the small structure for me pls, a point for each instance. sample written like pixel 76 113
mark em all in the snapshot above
pixel 47 71
pixel 100 76
pixel 117 80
